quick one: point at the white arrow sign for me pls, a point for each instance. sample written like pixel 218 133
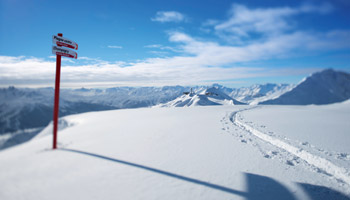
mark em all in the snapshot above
pixel 64 52
pixel 61 41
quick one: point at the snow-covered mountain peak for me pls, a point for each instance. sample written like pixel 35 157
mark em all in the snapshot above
pixel 204 97
pixel 323 87
pixel 215 92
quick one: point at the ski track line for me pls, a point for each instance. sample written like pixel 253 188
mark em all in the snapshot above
pixel 321 163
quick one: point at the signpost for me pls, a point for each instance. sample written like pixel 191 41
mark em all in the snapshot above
pixel 60 51
pixel 64 52
pixel 61 41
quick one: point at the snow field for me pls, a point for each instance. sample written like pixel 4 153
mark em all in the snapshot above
pixel 306 125
pixel 156 153
pixel 338 172
pixel 320 130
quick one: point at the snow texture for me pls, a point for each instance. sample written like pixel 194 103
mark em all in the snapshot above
pixel 197 152
pixel 321 163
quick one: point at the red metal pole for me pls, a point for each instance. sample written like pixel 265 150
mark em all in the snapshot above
pixel 57 98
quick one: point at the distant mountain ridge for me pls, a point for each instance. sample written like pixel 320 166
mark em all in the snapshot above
pixel 204 97
pixel 30 108
pixel 23 108
pixel 323 87
pixel 256 93
pixel 260 92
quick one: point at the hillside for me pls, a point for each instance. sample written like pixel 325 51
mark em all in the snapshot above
pixel 163 153
pixel 323 87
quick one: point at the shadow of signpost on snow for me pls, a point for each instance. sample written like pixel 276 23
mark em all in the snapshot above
pixel 158 171
pixel 316 192
pixel 262 187
pixel 259 187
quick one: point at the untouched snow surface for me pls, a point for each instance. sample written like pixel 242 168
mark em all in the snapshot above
pixel 164 153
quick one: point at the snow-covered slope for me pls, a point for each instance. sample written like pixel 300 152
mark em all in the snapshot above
pixel 204 97
pixel 323 87
pixel 161 153
pixel 318 134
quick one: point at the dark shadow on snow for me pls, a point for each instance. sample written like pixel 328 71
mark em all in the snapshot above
pixel 316 192
pixel 184 178
pixel 259 187
pixel 262 187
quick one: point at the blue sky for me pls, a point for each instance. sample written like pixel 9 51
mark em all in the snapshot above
pixel 175 42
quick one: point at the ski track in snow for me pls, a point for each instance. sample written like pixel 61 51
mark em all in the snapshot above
pixel 296 155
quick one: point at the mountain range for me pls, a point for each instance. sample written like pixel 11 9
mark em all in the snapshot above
pixel 23 108
pixel 203 97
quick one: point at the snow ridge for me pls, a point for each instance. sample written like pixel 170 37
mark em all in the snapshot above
pixel 205 97
pixel 320 88
pixel 321 163
pixel 260 92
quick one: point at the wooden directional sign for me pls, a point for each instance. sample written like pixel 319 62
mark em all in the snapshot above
pixel 61 41
pixel 60 51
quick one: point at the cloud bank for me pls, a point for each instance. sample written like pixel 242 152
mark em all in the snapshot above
pixel 254 35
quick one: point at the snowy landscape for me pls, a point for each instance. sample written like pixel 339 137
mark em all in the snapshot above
pixel 202 142
pixel 175 100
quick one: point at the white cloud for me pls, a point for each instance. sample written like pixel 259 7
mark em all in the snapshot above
pixel 84 58
pixel 243 20
pixel 159 53
pixel 210 22
pixel 246 23
pixel 161 47
pixel 114 47
pixel 155 71
pixel 200 61
pixel 169 16
pixel 206 53
pixel 153 46
pixel 205 62
pixel 322 9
